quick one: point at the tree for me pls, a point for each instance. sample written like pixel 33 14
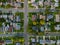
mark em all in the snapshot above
pixel 8 6
pixel 4 1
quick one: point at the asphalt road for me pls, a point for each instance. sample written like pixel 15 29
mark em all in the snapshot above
pixel 25 10
pixel 21 10
pixel 25 21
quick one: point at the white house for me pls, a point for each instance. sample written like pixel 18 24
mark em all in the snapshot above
pixel 57 18
pixel 56 4
pixel 4 16
pixel 8 42
pixel 33 40
pixel 58 42
pixel 32 1
pixel 56 0
pixel 18 43
pixel 57 27
pixel 41 2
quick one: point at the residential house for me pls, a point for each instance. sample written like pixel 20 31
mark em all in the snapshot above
pixel 16 26
pixel 56 0
pixel 8 42
pixel 41 2
pixel 35 4
pixel 4 16
pixel 33 40
pixel 48 41
pixel 32 1
pixel 34 17
pixel 34 28
pixel 42 17
pixel 11 28
pixel 52 6
pixel 18 4
pixel 18 0
pixel 7 27
pixel 42 41
pixel 17 18
pixel 11 17
pixel 47 26
pixel 47 3
pixel 1 3
pixel 50 16
pixel 56 4
pixel 9 1
pixel 57 27
pixel 58 42
pixel 1 16
pixel 3 27
pixel 57 18
pixel 17 43
pixel 53 41
pixel 1 42
pixel 42 28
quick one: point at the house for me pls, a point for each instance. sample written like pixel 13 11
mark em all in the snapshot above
pixel 9 1
pixel 33 17
pixel 34 28
pixel 35 5
pixel 14 25
pixel 32 1
pixel 42 28
pixel 18 0
pixel 1 42
pixel 4 16
pixel 53 42
pixel 57 18
pixel 33 40
pixel 56 0
pixel 57 27
pixel 17 26
pixel 8 42
pixel 47 26
pixel 17 18
pixel 17 43
pixel 7 27
pixel 1 16
pixel 56 4
pixel 47 3
pixel 11 17
pixel 18 4
pixel 50 16
pixel 41 2
pixel 42 41
pixel 42 17
pixel 1 3
pixel 48 41
pixel 52 6
pixel 3 27
pixel 10 27
pixel 58 42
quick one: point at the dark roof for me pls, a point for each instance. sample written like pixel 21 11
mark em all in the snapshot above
pixel 1 41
